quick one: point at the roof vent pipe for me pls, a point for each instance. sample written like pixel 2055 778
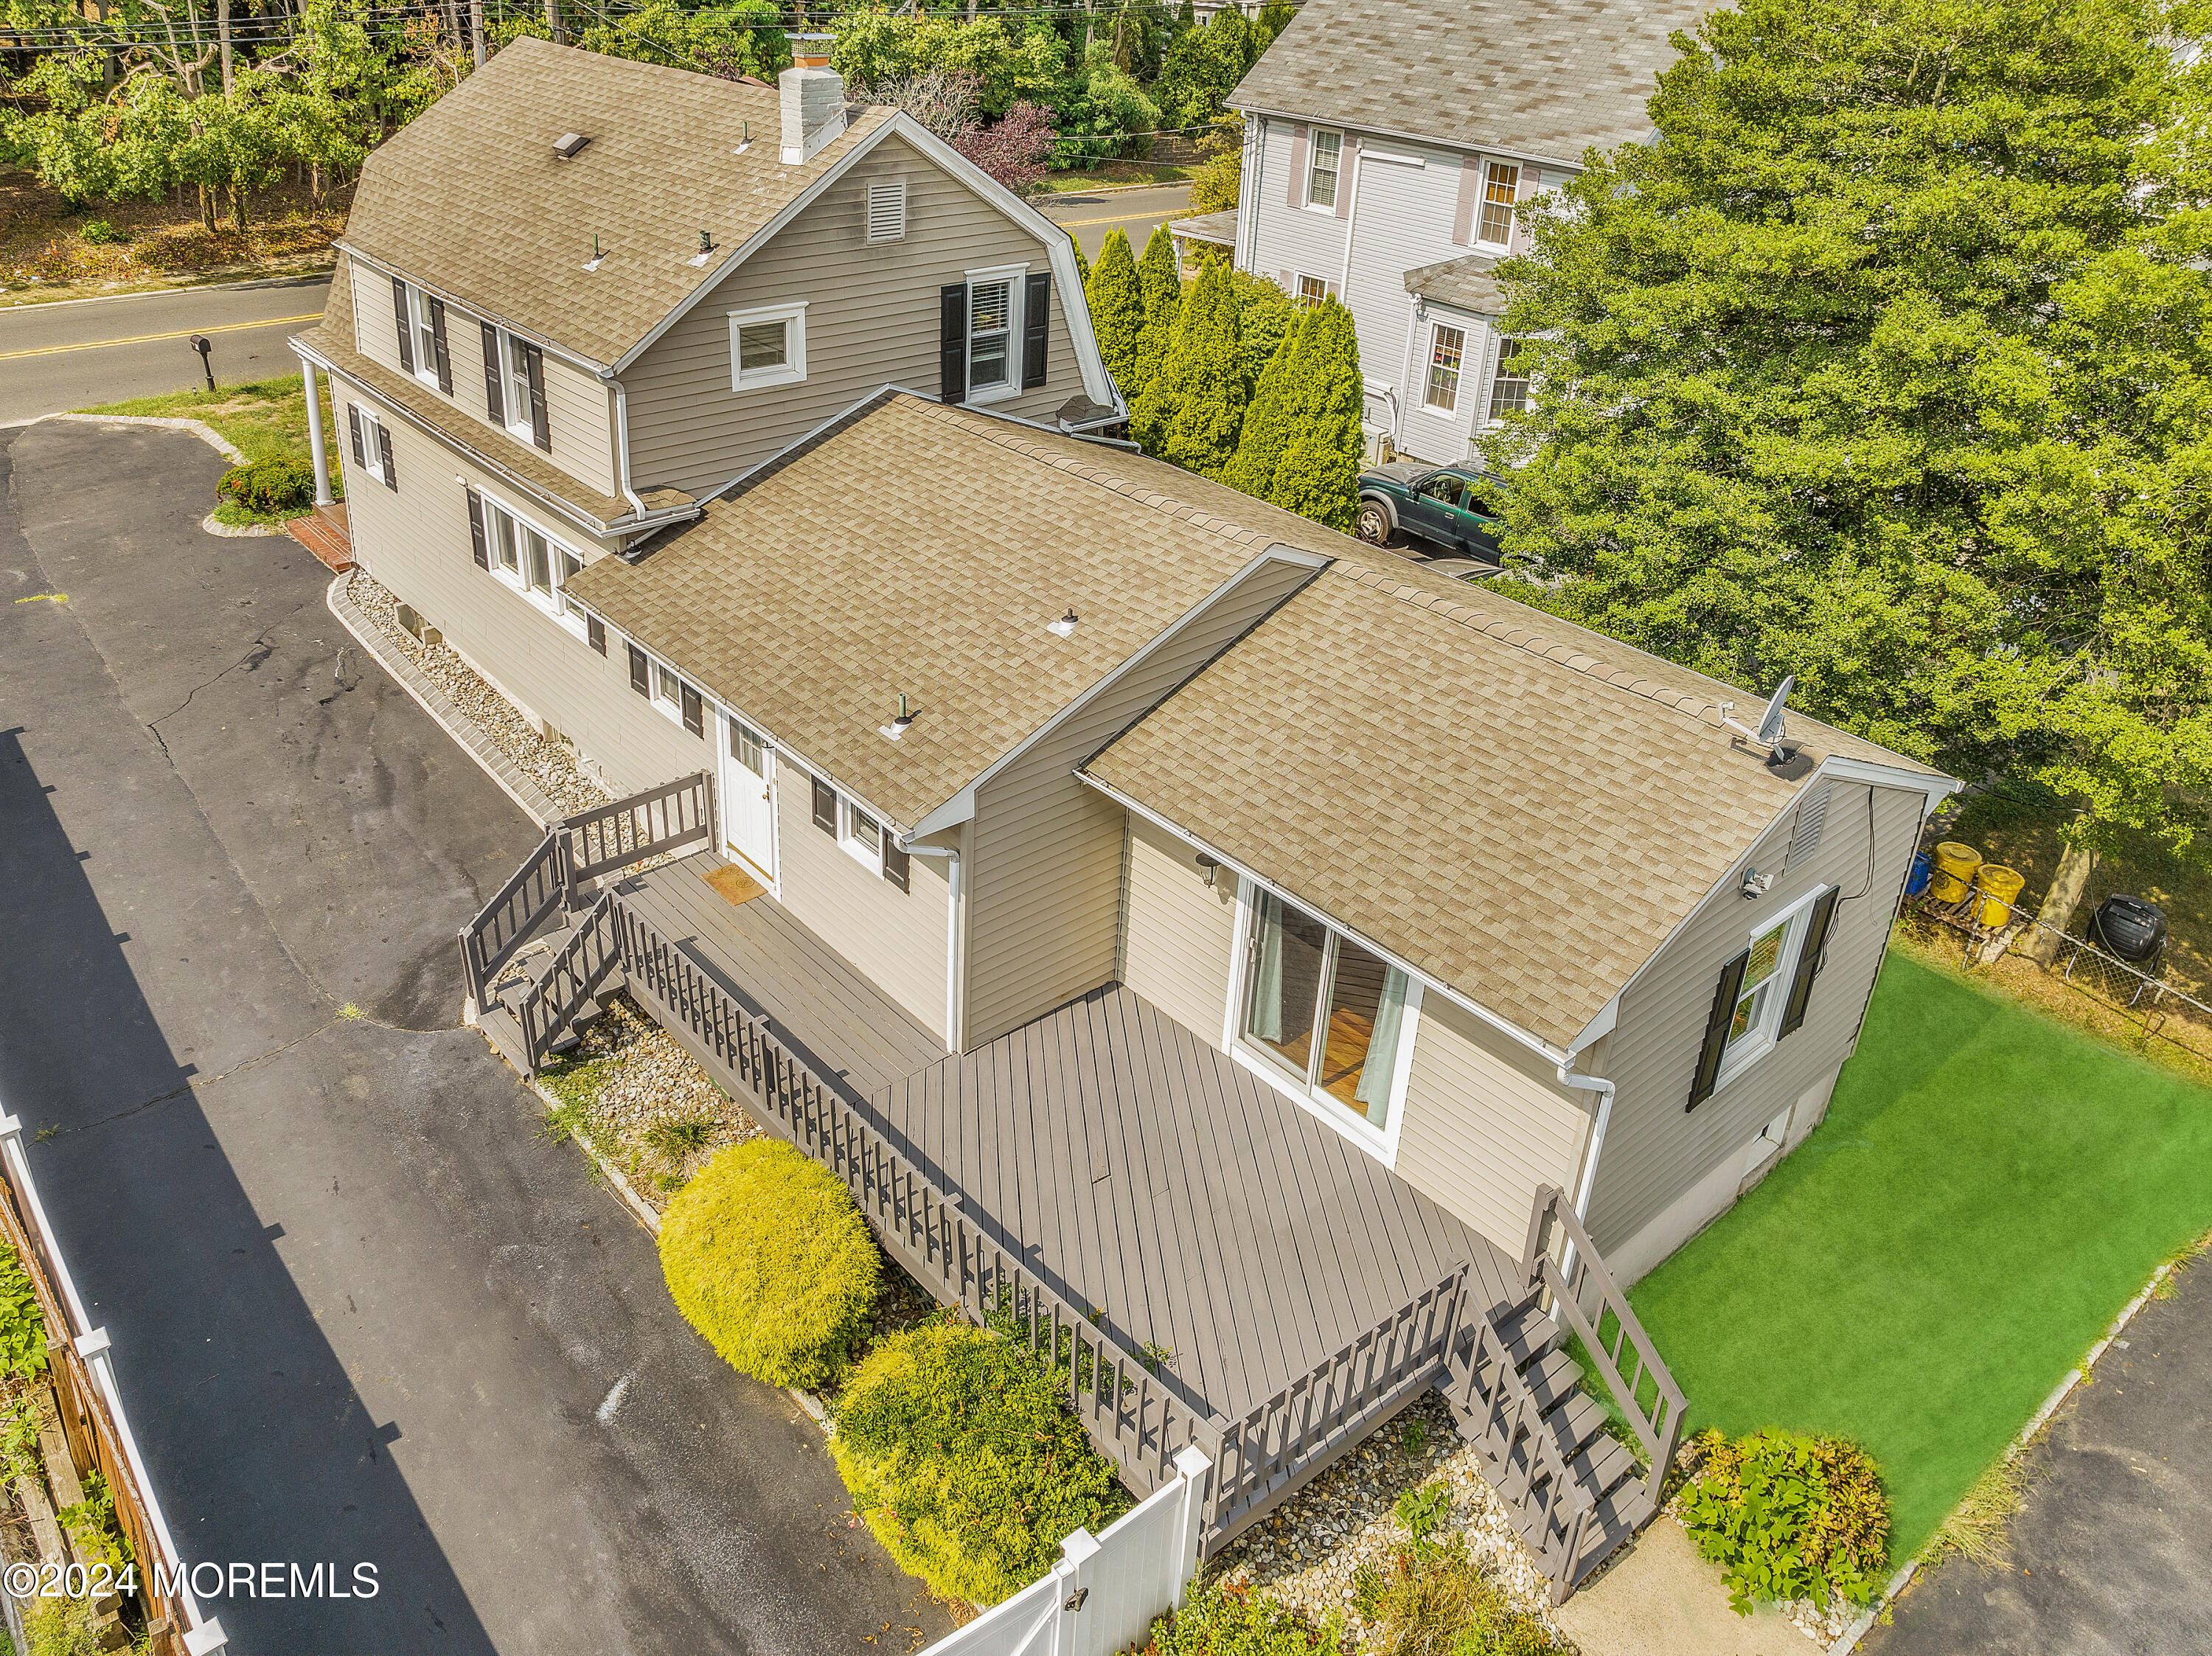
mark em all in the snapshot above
pixel 813 100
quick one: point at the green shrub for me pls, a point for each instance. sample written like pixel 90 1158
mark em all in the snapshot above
pixel 22 1326
pixel 282 483
pixel 100 232
pixel 59 1627
pixel 766 1255
pixel 1789 1516
pixel 1433 1599
pixel 959 1454
pixel 1218 1620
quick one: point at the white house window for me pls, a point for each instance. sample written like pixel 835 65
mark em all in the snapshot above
pixel 994 323
pixel 1509 386
pixel 767 347
pixel 886 209
pixel 1501 187
pixel 1447 350
pixel 667 687
pixel 1332 1019
pixel 518 387
pixel 1769 968
pixel 533 562
pixel 426 336
pixel 1322 161
pixel 861 836
pixel 1311 291
pixel 372 442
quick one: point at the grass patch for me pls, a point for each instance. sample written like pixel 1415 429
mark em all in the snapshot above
pixel 1988 1191
pixel 1976 1526
pixel 1075 181
pixel 232 515
pixel 262 418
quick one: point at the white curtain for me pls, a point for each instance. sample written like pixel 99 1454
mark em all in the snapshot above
pixel 1268 971
pixel 1381 1061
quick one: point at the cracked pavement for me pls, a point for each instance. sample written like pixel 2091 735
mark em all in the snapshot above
pixel 363 1309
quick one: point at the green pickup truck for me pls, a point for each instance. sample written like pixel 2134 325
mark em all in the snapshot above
pixel 1452 510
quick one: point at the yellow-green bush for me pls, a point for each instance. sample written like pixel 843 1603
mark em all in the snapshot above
pixel 962 1461
pixel 1789 1516
pixel 766 1255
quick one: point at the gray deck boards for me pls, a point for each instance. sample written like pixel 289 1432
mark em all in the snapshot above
pixel 1140 1171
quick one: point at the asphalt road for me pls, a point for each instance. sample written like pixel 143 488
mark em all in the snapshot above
pixel 2112 1546
pixel 1092 218
pixel 74 353
pixel 364 1310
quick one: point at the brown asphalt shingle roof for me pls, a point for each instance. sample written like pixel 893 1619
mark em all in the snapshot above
pixel 1519 808
pixel 1549 78
pixel 469 199
pixel 1467 283
pixel 922 549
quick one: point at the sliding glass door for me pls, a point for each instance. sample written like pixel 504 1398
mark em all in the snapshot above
pixel 1327 1010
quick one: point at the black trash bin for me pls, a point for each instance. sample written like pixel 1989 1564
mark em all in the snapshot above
pixel 2128 927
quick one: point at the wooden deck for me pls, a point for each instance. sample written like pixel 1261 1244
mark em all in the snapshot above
pixel 1142 1173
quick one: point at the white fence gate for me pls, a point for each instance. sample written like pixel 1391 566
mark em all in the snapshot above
pixel 1103 1594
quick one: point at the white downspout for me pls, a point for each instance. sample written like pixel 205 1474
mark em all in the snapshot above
pixel 1603 1089
pixel 951 938
pixel 622 447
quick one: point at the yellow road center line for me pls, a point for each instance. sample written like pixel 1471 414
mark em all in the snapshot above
pixel 1126 218
pixel 46 598
pixel 148 338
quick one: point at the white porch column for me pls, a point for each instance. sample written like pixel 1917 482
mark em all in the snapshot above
pixel 315 434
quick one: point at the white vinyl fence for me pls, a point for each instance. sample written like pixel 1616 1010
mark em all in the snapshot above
pixel 1103 1594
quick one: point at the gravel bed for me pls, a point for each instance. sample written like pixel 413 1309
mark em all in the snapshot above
pixel 630 1076
pixel 1308 1551
pixel 548 764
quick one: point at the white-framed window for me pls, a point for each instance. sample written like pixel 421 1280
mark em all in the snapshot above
pixel 424 327
pixel 1509 382
pixel 886 209
pixel 533 562
pixel 1324 160
pixel 515 362
pixel 1325 1019
pixel 861 834
pixel 1759 999
pixel 994 331
pixel 372 441
pixel 1311 291
pixel 768 346
pixel 1447 354
pixel 1501 188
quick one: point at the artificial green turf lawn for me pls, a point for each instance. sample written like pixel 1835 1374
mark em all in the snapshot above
pixel 1988 1191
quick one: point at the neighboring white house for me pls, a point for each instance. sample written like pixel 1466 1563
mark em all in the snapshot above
pixel 1391 148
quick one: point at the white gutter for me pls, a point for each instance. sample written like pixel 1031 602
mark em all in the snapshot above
pixel 476 308
pixel 1459 146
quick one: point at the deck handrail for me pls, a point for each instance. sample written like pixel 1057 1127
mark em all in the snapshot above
pixel 1132 1416
pixel 611 836
pixel 1659 1428
pixel 586 960
pixel 518 908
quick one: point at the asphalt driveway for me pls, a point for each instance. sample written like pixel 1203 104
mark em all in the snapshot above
pixel 364 1312
pixel 2112 1546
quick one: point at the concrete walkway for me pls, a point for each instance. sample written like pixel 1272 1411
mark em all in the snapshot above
pixel 1664 1600
pixel 2112 1547
pixel 364 1310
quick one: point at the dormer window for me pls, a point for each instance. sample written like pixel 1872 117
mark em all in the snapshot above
pixel 1501 189
pixel 1323 161
pixel 767 347
pixel 518 387
pixel 427 349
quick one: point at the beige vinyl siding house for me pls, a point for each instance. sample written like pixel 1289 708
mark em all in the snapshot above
pixel 690 427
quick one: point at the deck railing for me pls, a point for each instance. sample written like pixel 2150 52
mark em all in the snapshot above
pixel 516 909
pixel 592 954
pixel 667 818
pixel 1586 1296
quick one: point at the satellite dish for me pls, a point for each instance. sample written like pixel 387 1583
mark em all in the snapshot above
pixel 1770 723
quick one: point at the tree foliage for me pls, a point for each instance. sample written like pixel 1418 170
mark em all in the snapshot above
pixel 1196 402
pixel 1117 309
pixel 1317 474
pixel 1882 367
pixel 1161 280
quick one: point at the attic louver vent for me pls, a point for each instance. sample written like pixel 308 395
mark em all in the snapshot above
pixel 1811 818
pixel 887 209
pixel 566 145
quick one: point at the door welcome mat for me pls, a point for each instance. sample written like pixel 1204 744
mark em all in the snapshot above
pixel 734 883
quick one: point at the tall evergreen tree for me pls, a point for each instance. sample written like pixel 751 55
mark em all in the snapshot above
pixel 1266 427
pixel 1318 475
pixel 1082 265
pixel 1162 284
pixel 1117 310
pixel 1207 378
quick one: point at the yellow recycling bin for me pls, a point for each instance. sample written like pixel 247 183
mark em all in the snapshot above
pixel 1955 872
pixel 1998 885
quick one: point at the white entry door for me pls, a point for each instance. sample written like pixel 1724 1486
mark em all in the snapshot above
pixel 748 810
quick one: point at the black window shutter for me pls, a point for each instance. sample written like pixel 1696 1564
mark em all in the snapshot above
pixel 541 423
pixel 1717 1029
pixel 825 807
pixel 695 712
pixel 595 634
pixel 897 863
pixel 353 419
pixel 1809 960
pixel 477 530
pixel 1036 315
pixel 495 399
pixel 384 453
pixel 445 356
pixel 952 344
pixel 406 333
pixel 640 672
